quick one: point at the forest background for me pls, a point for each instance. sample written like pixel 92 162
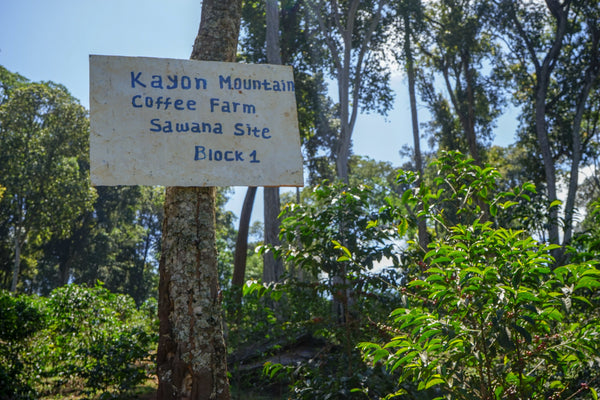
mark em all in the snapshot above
pixel 472 63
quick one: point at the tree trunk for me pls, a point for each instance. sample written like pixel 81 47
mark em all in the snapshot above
pixel 546 152
pixel 272 266
pixel 458 105
pixel 241 244
pixel 191 353
pixel 410 71
pixel 470 117
pixel 543 73
pixel 592 74
pixel 19 240
pixel 343 59
pixel 17 261
pixel 191 358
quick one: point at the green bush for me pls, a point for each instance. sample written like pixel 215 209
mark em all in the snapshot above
pixel 95 340
pixel 487 313
pixel 334 298
pixel 20 319
pixel 490 319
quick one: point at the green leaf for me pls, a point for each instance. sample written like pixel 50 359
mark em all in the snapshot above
pixel 276 295
pixel 508 204
pixel 555 203
pixel 406 196
pixel 339 246
pixel 429 254
pixel 472 269
pixel 556 385
pixel 379 354
pixel 435 380
pixel 583 300
pixel 526 296
pixel 418 282
pixel 435 270
pixel 587 282
pixel 498 392
pixel 409 357
pixel 591 271
pixel 402 227
pixel 529 186
pixel 552 313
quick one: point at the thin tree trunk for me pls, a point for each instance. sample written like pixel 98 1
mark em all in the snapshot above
pixel 19 240
pixel 272 266
pixel 410 71
pixel 591 75
pixel 543 71
pixel 464 119
pixel 342 60
pixel 546 152
pixel 17 261
pixel 191 358
pixel 241 244
pixel 347 66
pixel 470 117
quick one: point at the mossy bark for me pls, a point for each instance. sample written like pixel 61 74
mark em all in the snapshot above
pixel 191 358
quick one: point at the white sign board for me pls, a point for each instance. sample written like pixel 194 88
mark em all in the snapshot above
pixel 192 123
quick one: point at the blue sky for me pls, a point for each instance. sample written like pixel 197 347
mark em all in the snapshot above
pixel 52 40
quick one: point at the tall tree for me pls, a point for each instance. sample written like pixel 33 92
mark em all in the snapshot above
pixel 315 115
pixel 554 46
pixel 273 266
pixel 118 244
pixel 522 18
pixel 352 32
pixel 455 48
pixel 409 18
pixel 318 116
pixel 191 352
pixel 582 66
pixel 44 139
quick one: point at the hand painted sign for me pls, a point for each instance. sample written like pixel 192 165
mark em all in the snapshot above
pixel 192 123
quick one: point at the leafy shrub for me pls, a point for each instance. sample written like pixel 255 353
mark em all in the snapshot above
pixel 95 341
pixel 490 319
pixel 487 313
pixel 586 243
pixel 20 319
pixel 484 312
pixel 318 238
pixel 335 216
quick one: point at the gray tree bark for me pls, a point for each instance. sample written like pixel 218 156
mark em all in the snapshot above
pixel 191 358
pixel 543 70
pixel 272 266
pixel 241 244
pixel 410 72
pixel 592 74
